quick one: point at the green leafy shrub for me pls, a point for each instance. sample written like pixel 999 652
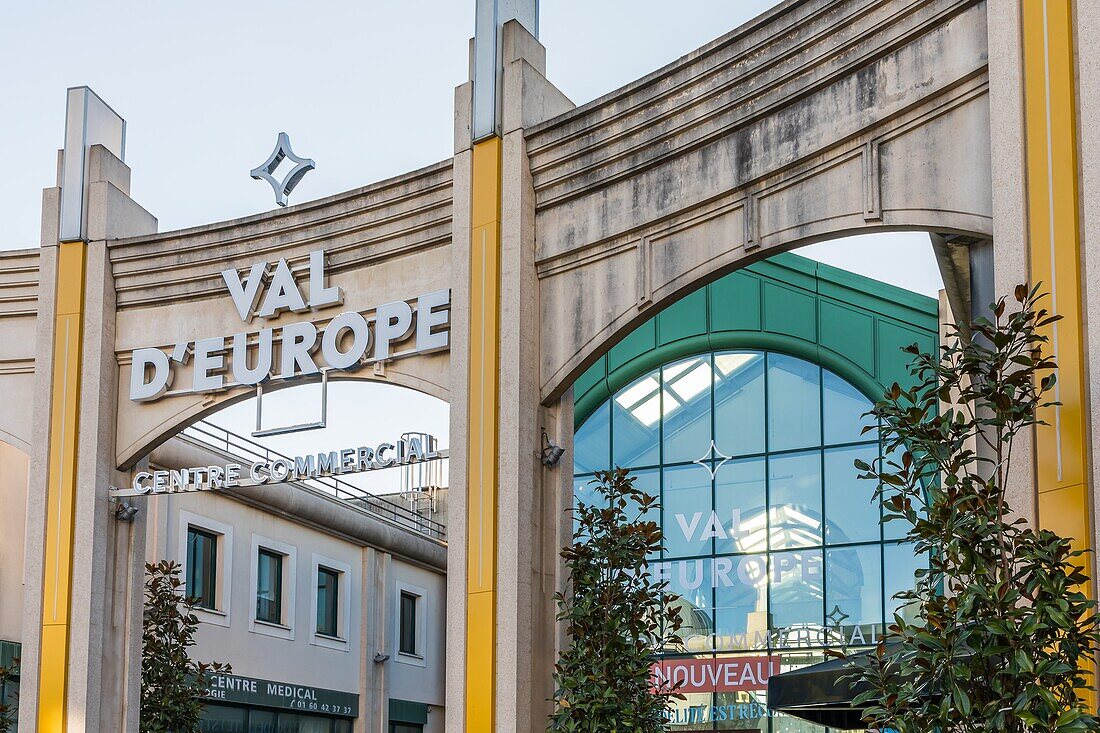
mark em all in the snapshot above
pixel 998 632
pixel 172 685
pixel 617 617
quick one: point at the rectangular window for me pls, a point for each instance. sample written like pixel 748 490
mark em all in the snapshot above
pixel 202 567
pixel 269 587
pixel 328 597
pixel 407 641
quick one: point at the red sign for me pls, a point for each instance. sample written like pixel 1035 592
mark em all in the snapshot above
pixel 724 674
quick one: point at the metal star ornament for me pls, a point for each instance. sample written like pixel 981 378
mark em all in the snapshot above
pixel 266 171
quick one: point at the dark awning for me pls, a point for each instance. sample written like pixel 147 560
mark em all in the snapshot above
pixel 820 694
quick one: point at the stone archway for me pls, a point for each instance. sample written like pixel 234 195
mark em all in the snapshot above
pixel 816 121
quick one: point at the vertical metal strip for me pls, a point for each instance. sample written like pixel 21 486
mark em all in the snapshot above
pixel 1054 251
pixel 483 425
pixel 61 488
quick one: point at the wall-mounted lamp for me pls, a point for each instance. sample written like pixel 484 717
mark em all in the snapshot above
pixel 551 453
pixel 125 511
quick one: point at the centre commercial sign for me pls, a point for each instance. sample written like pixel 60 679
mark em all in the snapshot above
pixel 402 452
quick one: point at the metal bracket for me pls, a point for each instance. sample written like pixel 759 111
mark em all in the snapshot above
pixel 259 432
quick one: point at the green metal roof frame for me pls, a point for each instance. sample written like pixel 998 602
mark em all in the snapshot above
pixel 852 325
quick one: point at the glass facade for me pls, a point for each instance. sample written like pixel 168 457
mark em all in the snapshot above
pixel 773 546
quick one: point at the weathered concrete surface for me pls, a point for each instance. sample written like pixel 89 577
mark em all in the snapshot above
pixel 817 120
pixel 18 315
pixel 384 242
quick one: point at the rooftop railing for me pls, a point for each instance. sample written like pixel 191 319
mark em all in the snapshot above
pixel 208 435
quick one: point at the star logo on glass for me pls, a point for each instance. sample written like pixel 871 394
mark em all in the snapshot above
pixel 836 617
pixel 266 172
pixel 713 454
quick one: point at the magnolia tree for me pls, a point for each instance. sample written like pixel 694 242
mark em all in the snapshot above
pixel 999 632
pixel 617 616
pixel 172 685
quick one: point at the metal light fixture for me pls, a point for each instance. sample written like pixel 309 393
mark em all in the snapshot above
pixel 551 452
pixel 125 511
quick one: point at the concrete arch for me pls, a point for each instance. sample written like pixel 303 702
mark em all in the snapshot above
pixel 385 242
pixel 15 442
pixel 198 407
pixel 851 325
pixel 818 120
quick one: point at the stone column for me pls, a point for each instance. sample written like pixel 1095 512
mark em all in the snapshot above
pixel 104 621
pixel 1010 256
pixel 531 497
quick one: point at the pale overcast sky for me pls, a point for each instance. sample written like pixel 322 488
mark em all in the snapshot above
pixel 363 87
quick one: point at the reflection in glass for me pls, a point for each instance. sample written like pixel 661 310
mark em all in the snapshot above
pixel 850 504
pixel 744 551
pixel 900 565
pixel 635 423
pixel 692 583
pixel 743 710
pixel 855 585
pixel 740 501
pixel 592 443
pixel 739 403
pixel 269 586
pixel 794 492
pixel 223 719
pixel 741 602
pixel 794 403
pixel 845 408
pixel 688 520
pixel 796 598
pixel 686 408
pixel 261 721
pixel 692 713
pixel 584 489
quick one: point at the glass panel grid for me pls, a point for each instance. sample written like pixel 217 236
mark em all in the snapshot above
pixel 713 560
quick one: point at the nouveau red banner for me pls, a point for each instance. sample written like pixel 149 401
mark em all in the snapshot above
pixel 724 674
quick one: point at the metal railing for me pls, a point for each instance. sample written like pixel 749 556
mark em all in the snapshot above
pixel 214 437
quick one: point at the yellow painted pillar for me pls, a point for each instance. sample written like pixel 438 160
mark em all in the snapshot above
pixel 1054 251
pixel 64 408
pixel 1054 238
pixel 482 436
